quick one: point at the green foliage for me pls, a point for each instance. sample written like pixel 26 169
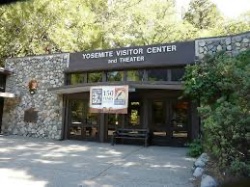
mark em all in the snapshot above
pixel 240 169
pixel 203 14
pixel 42 26
pixel 221 84
pixel 195 148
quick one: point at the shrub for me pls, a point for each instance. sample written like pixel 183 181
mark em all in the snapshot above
pixel 239 169
pixel 195 148
pixel 221 84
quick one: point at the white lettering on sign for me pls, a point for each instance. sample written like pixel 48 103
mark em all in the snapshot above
pixel 129 55
pixel 97 55
pixel 127 52
pixel 161 49
pixel 112 61
pixel 132 59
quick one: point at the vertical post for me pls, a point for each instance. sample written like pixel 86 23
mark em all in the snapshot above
pixel 102 127
pixel 65 117
pixel 145 113
pixel 103 124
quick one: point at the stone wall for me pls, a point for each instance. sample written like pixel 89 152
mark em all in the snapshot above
pixel 48 71
pixel 231 44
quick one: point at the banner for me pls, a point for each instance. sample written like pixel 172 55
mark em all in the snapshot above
pixel 109 99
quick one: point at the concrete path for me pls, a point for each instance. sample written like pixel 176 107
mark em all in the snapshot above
pixel 30 162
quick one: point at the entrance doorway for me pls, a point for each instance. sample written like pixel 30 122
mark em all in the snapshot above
pixel 81 123
pixel 169 122
pixel 132 120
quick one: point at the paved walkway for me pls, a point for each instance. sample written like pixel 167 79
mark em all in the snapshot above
pixel 26 162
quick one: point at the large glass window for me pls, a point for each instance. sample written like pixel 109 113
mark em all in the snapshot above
pixel 95 77
pixel 115 76
pixel 177 74
pixel 75 78
pixel 135 75
pixel 158 75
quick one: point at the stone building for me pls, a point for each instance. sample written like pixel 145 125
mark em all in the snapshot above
pixel 53 92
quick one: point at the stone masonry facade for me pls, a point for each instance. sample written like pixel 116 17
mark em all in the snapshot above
pixel 48 71
pixel 231 44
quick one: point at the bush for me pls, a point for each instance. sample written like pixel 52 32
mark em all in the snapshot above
pixel 221 85
pixel 239 169
pixel 195 148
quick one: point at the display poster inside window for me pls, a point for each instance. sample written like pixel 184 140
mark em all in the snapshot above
pixel 109 99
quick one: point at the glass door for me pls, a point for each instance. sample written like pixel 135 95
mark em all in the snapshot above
pixel 179 120
pixel 81 123
pixel 158 126
pixel 169 122
pixel 75 119
pixel 132 120
pixel 134 115
pixel 113 121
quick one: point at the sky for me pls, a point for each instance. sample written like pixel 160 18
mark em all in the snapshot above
pixel 230 8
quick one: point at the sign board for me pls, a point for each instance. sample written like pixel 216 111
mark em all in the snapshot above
pixel 30 115
pixel 171 54
pixel 109 99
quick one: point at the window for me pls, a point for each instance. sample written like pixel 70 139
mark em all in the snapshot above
pixel 135 75
pixel 115 76
pixel 158 75
pixel 95 77
pixel 75 78
pixel 177 74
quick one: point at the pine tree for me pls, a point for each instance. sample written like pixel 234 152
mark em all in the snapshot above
pixel 203 14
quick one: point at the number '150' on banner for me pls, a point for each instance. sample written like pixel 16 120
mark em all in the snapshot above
pixel 109 99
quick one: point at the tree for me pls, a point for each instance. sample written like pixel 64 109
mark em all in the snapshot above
pixel 221 84
pixel 231 27
pixel 25 28
pixel 34 27
pixel 203 14
pixel 144 22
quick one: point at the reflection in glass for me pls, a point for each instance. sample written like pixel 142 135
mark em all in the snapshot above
pixel 134 114
pixel 158 112
pixel 179 120
pixel 158 115
pixel 158 75
pixel 83 124
pixel 115 76
pixel 135 75
pixel 76 78
pixel 95 77
pixel 76 118
pixel 177 74
pixel 114 122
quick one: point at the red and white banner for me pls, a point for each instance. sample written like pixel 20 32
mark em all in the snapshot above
pixel 109 99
